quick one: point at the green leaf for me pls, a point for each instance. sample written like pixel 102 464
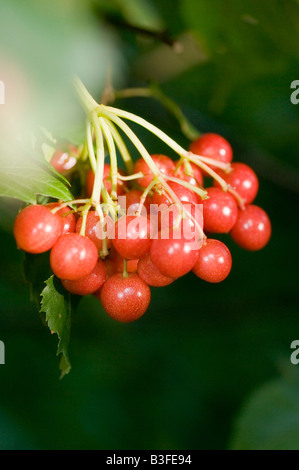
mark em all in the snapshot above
pixel 25 179
pixel 56 304
pixel 270 418
pixel 36 271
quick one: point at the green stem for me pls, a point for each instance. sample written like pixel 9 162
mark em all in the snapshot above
pixel 134 176
pixel 91 154
pixel 98 180
pixel 121 147
pixel 201 192
pixel 154 92
pixel 125 270
pixel 84 219
pixel 113 158
pixel 104 250
pixel 113 112
pixel 88 102
pixel 69 203
pixel 144 195
pixel 134 139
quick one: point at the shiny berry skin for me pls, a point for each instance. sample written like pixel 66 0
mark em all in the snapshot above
pixel 164 163
pixel 120 189
pixel 150 273
pixel 183 194
pixel 252 230
pixel 212 146
pixel 171 218
pixel 116 263
pixel 73 256
pixel 93 229
pixel 173 257
pixel 87 284
pixel 196 179
pixel 110 267
pixel 220 211
pixel 131 265
pixel 63 161
pixel 132 237
pixel 243 179
pixel 125 299
pixel 68 222
pixel 36 229
pixel 214 261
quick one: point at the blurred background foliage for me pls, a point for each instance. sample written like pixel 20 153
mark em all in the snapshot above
pixel 208 367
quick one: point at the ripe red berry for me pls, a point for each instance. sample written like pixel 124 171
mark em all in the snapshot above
pixel 87 284
pixel 212 146
pixel 220 211
pixel 183 194
pixel 243 179
pixel 173 257
pixel 150 273
pixel 110 267
pixel 171 218
pixel 214 261
pixel 115 263
pixel 73 256
pixel 196 179
pixel 125 298
pixel 131 265
pixel 132 236
pixel 36 229
pixel 164 163
pixel 67 218
pixel 106 180
pixel 93 229
pixel 252 230
pixel 63 161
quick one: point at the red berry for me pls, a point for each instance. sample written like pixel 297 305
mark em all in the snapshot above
pixel 131 265
pixel 183 194
pixel 173 257
pixel 36 229
pixel 164 163
pixel 252 230
pixel 132 237
pixel 125 298
pixel 196 179
pixel 243 179
pixel 73 256
pixel 68 222
pixel 214 261
pixel 110 267
pixel 150 273
pixel 87 284
pixel 106 180
pixel 213 146
pixel 115 263
pixel 63 161
pixel 171 218
pixel 93 229
pixel 220 211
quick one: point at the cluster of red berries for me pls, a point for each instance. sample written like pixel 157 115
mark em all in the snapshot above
pixel 133 259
